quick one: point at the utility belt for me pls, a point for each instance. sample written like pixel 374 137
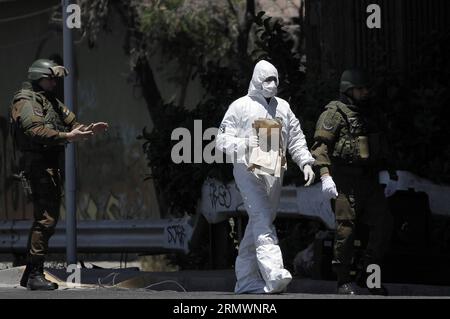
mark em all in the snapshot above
pixel 40 181
pixel 352 149
pixel 35 167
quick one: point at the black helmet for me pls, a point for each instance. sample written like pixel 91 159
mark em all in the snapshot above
pixel 353 78
pixel 44 68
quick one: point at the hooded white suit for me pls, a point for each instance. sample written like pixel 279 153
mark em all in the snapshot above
pixel 259 266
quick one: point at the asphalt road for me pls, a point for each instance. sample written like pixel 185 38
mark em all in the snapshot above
pixel 117 293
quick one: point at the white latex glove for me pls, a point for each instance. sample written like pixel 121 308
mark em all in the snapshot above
pixel 390 189
pixel 329 187
pixel 309 174
pixel 252 141
pixel 390 185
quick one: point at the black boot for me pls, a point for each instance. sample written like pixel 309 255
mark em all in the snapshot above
pixel 36 279
pixel 26 275
pixel 346 289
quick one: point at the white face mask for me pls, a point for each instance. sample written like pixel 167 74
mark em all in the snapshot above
pixel 269 89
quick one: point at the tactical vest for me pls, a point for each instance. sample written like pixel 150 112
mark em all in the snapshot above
pixel 52 119
pixel 352 144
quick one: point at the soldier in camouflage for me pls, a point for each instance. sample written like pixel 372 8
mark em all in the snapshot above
pixel 350 149
pixel 41 126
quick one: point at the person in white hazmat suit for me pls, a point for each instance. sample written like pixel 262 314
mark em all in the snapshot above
pixel 259 265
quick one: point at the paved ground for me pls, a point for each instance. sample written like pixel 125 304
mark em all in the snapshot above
pixel 134 284
pixel 117 293
pixel 200 304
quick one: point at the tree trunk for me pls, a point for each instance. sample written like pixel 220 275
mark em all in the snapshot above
pixel 145 77
pixel 245 25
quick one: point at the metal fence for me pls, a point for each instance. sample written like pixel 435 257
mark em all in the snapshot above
pixel 106 236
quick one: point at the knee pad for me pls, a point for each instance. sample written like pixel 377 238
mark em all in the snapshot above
pixel 345 228
pixel 46 230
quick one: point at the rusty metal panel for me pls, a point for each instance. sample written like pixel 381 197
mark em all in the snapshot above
pixel 344 40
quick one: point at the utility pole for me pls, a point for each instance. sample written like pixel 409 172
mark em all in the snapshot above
pixel 70 173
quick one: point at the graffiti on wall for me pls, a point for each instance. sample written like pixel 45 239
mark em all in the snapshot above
pixel 89 209
pixel 112 169
pixel 178 233
pixel 13 203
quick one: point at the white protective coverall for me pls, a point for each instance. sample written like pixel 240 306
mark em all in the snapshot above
pixel 259 265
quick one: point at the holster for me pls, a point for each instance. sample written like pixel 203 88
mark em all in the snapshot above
pixel 23 178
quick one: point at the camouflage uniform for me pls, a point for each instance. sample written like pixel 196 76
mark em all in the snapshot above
pixel 350 147
pixel 40 122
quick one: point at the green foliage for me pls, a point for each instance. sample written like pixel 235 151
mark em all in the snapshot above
pixel 95 16
pixel 191 32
